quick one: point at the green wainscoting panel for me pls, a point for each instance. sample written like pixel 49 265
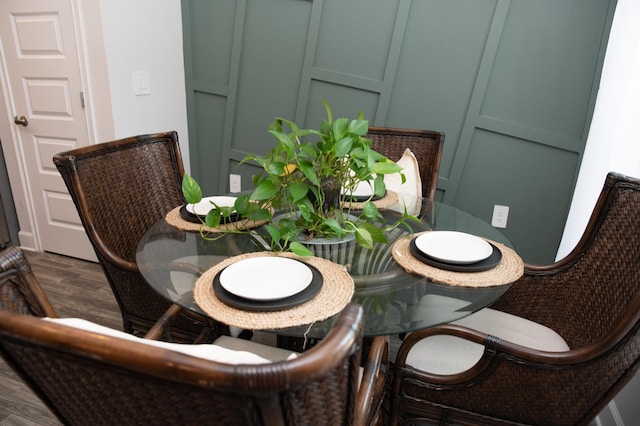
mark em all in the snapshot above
pixel 344 102
pixel 438 66
pixel 209 110
pixel 534 180
pixel 545 66
pixel 512 83
pixel 210 61
pixel 271 60
pixel 370 29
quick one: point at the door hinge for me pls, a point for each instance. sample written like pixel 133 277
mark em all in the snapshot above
pixel 82 99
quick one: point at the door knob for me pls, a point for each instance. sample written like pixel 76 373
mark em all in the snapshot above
pixel 22 120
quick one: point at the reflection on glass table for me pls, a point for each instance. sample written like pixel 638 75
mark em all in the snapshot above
pixel 394 301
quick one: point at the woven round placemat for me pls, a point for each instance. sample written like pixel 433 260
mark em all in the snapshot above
pixel 174 219
pixel 389 199
pixel 510 268
pixel 336 292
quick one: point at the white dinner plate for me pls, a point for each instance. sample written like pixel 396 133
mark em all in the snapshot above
pixel 453 247
pixel 364 189
pixel 266 278
pixel 203 207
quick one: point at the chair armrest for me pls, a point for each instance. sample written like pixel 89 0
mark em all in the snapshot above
pixel 497 351
pixel 371 391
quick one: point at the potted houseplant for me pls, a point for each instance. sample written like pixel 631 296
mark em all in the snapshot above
pixel 306 179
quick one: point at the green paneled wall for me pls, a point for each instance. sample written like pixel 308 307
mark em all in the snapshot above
pixel 512 83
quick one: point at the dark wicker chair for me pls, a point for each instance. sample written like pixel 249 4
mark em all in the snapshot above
pixel 83 376
pixel 426 145
pixel 120 189
pixel 591 298
pixel 20 291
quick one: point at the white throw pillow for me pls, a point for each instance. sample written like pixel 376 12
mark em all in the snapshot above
pixel 247 352
pixel 411 170
pixel 411 191
pixel 444 354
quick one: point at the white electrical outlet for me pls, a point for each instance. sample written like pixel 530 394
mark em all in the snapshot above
pixel 500 216
pixel 235 183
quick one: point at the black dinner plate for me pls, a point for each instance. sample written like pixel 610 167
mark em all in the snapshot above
pixel 270 305
pixel 192 217
pixel 362 198
pixel 484 265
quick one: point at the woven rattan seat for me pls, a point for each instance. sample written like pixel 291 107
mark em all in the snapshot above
pixel 426 145
pixel 591 298
pixel 120 189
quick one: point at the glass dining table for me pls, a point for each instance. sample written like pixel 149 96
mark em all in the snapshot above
pixel 171 260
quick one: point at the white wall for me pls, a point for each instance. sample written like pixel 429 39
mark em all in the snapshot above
pixel 146 35
pixel 614 142
pixel 613 145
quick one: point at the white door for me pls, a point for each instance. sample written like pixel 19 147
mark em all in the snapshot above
pixel 41 57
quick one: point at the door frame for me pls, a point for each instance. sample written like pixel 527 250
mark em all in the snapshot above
pixel 95 84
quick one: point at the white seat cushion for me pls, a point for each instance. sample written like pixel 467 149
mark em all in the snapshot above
pixel 445 354
pixel 267 352
pixel 229 350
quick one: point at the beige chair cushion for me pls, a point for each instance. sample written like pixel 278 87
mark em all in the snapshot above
pixel 450 355
pixel 229 350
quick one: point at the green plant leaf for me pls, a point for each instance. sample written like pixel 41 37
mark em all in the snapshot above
pixel 385 168
pixel 359 127
pixel 340 127
pixel 213 218
pixel 191 190
pixel 369 211
pixel 363 237
pixel 241 204
pixel 334 226
pixel 379 187
pixel 305 211
pixel 310 172
pixel 266 189
pixel 276 168
pixel 276 125
pixel 377 235
pixel 329 112
pixel 273 231
pixel 343 147
pixel 299 249
pixel 298 190
pixel 285 140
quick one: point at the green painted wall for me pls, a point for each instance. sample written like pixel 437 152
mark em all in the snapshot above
pixel 512 83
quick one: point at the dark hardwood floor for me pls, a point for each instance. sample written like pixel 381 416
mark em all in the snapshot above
pixel 76 288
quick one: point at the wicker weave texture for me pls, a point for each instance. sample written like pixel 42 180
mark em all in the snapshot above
pixel 120 189
pixel 106 381
pixel 591 298
pixel 19 290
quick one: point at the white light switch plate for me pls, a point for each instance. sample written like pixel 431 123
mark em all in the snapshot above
pixel 235 183
pixel 141 83
pixel 500 216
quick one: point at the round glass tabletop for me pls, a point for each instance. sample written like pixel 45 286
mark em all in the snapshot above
pixel 394 301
